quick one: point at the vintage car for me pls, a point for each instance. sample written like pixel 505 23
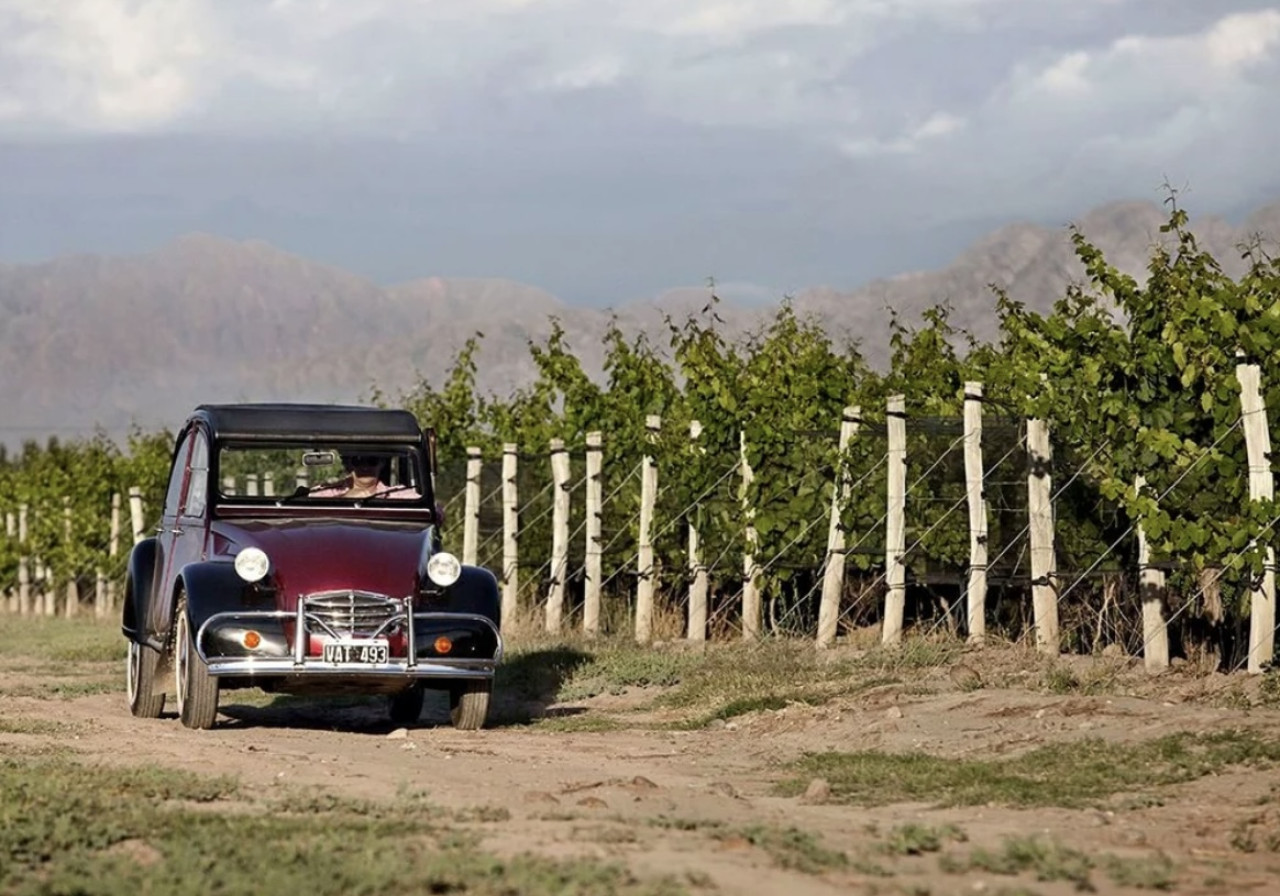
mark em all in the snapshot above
pixel 298 551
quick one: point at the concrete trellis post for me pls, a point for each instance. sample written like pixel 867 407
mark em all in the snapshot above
pixel 1040 512
pixel 135 513
pixel 974 475
pixel 471 518
pixel 72 606
pixel 895 544
pixel 1151 582
pixel 833 573
pixel 1257 439
pixel 699 587
pixel 645 570
pixel 510 534
pixel 113 551
pixel 752 610
pixel 593 555
pixel 24 564
pixel 559 534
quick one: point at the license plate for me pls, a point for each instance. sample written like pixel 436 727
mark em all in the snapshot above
pixel 371 652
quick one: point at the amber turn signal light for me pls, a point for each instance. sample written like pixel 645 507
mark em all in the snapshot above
pixel 443 644
pixel 252 640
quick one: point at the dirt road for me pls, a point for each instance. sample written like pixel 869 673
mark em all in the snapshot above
pixel 703 804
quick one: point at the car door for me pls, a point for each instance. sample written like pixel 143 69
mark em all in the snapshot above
pixel 159 611
pixel 188 544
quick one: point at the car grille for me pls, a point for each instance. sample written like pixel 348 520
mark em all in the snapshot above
pixel 353 613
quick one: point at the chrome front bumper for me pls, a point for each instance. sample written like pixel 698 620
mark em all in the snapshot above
pixel 307 624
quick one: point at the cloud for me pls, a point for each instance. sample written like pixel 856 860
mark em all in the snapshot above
pixel 1065 129
pixel 936 126
pixel 779 141
pixel 215 65
pixel 110 64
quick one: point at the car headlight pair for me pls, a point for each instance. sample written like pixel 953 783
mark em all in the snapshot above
pixel 252 565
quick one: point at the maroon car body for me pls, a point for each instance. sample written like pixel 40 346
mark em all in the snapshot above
pixel 311 591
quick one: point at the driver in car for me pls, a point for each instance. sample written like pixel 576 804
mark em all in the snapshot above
pixel 363 480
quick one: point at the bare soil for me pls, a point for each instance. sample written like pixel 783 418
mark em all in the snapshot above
pixel 676 802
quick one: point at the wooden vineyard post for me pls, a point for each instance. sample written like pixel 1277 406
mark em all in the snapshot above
pixel 510 533
pixel 895 542
pixel 471 513
pixel 699 585
pixel 1257 440
pixel 752 610
pixel 646 582
pixel 974 475
pixel 559 534
pixel 593 555
pixel 1151 585
pixel 1040 512
pixel 833 573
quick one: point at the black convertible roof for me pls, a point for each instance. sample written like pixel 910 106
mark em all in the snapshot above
pixel 322 422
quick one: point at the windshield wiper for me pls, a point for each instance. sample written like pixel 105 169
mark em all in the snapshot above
pixel 389 490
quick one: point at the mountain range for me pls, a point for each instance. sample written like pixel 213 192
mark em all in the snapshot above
pixel 89 340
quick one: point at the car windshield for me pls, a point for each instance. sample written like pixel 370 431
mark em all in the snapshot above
pixel 320 474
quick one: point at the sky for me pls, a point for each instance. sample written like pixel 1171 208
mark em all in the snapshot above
pixel 606 150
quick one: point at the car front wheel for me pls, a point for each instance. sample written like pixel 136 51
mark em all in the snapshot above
pixel 469 703
pixel 197 690
pixel 140 679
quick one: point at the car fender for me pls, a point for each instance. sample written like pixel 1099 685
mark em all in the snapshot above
pixel 476 591
pixel 214 587
pixel 138 588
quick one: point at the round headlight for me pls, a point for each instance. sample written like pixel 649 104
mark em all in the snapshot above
pixel 252 564
pixel 443 568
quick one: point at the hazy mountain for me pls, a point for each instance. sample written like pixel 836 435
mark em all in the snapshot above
pixel 108 340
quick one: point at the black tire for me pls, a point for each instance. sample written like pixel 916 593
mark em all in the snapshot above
pixel 139 682
pixel 469 703
pixel 197 690
pixel 406 707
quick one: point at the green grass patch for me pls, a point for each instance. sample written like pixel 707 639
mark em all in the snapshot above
pixel 917 839
pixel 731 679
pixel 48 727
pixel 685 824
pixel 77 640
pixel 792 848
pixel 1069 775
pixel 911 654
pixel 66 688
pixel 1049 861
pixel 1149 873
pixel 587 723
pixel 127 831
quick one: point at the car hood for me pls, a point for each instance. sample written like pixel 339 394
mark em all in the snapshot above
pixel 324 555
